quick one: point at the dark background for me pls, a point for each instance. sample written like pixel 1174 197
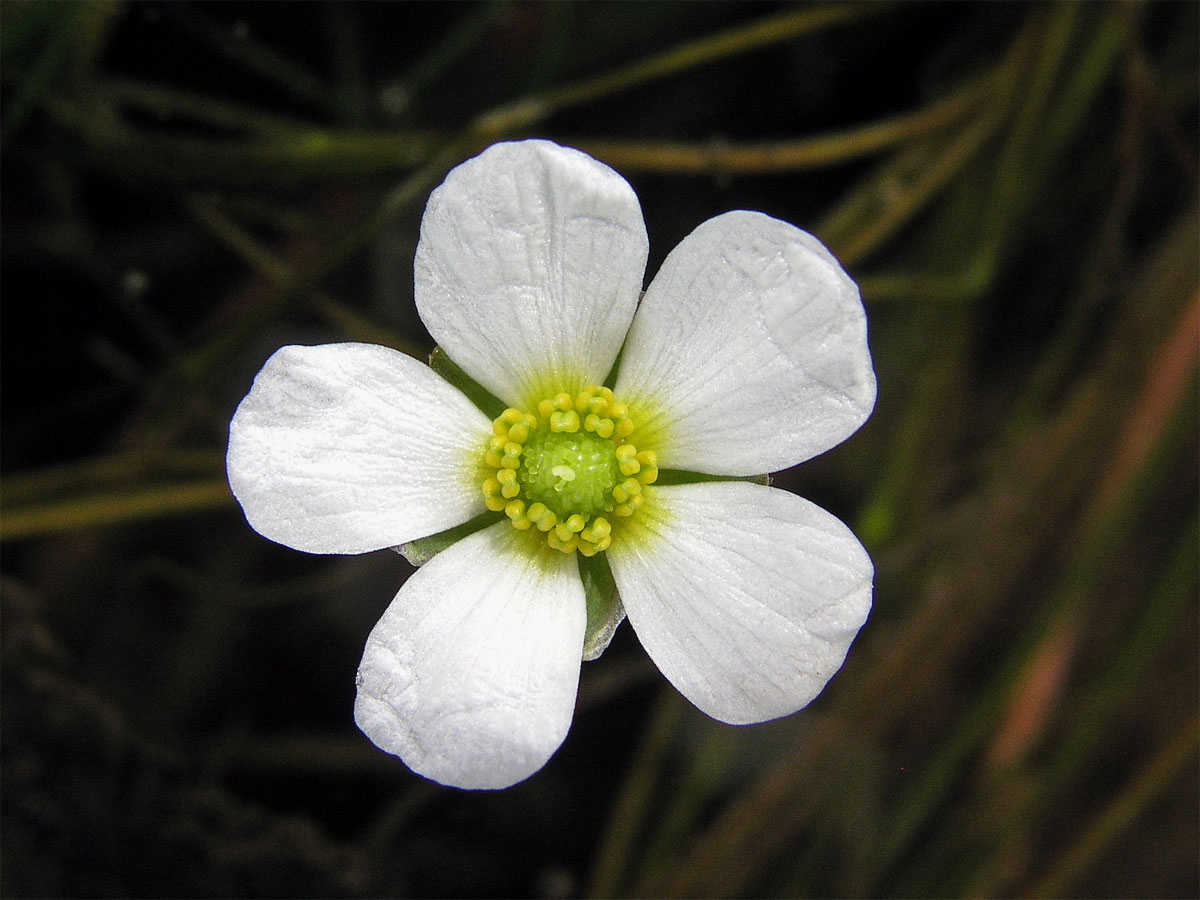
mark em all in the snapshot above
pixel 188 186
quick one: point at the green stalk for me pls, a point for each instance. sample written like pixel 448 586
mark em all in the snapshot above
pixel 719 158
pixel 630 809
pixel 114 508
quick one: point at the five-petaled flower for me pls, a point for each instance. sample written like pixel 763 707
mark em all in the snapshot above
pixel 746 354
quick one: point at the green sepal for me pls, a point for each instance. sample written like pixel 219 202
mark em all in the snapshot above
pixel 681 476
pixel 422 550
pixel 441 363
pixel 604 609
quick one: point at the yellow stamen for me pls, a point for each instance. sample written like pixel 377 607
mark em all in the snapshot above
pixel 568 470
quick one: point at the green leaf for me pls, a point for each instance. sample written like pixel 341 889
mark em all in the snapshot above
pixel 681 476
pixel 424 549
pixel 604 609
pixel 441 363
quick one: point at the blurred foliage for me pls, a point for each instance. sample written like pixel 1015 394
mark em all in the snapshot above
pixel 187 186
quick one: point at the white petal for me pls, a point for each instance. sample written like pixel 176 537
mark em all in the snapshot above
pixel 529 267
pixel 470 676
pixel 746 597
pixel 344 448
pixel 749 351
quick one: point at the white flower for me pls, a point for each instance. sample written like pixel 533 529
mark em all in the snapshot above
pixel 747 354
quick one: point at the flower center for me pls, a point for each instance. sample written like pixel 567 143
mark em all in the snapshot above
pixel 570 470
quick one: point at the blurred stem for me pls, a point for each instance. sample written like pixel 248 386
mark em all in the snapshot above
pixel 294 283
pixel 905 184
pixel 685 808
pixel 1011 184
pixel 772 30
pixel 1121 813
pixel 292 153
pixel 1156 625
pixel 1105 526
pixel 343 318
pixel 1106 254
pixel 236 239
pixel 1044 121
pixel 966 284
pixel 1109 528
pixel 118 507
pixel 627 817
pixel 307 151
pixel 287 150
pixel 27 488
pixel 452 47
pixel 169 406
pixel 1047 120
pixel 167 102
pixel 346 40
pixel 910 186
pixel 938 369
pixel 1091 69
pixel 1040 465
pixel 64 22
pixel 939 775
pixel 1161 397
pixel 881 513
pixel 720 158
pixel 244 49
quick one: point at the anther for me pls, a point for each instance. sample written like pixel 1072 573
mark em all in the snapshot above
pixel 564 421
pixel 648 473
pixel 515 510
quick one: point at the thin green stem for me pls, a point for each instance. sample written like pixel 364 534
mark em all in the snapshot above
pixel 720 158
pixel 448 49
pixel 286 150
pixel 632 805
pixel 773 30
pixel 168 103
pixel 267 264
pixel 1104 529
pixel 284 155
pixel 26 488
pixel 308 152
pixel 904 185
pixel 63 22
pixel 1011 188
pixel 238 45
pixel 115 508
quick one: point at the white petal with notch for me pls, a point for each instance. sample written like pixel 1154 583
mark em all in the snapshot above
pixel 470 675
pixel 746 597
pixel 529 266
pixel 345 448
pixel 749 351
